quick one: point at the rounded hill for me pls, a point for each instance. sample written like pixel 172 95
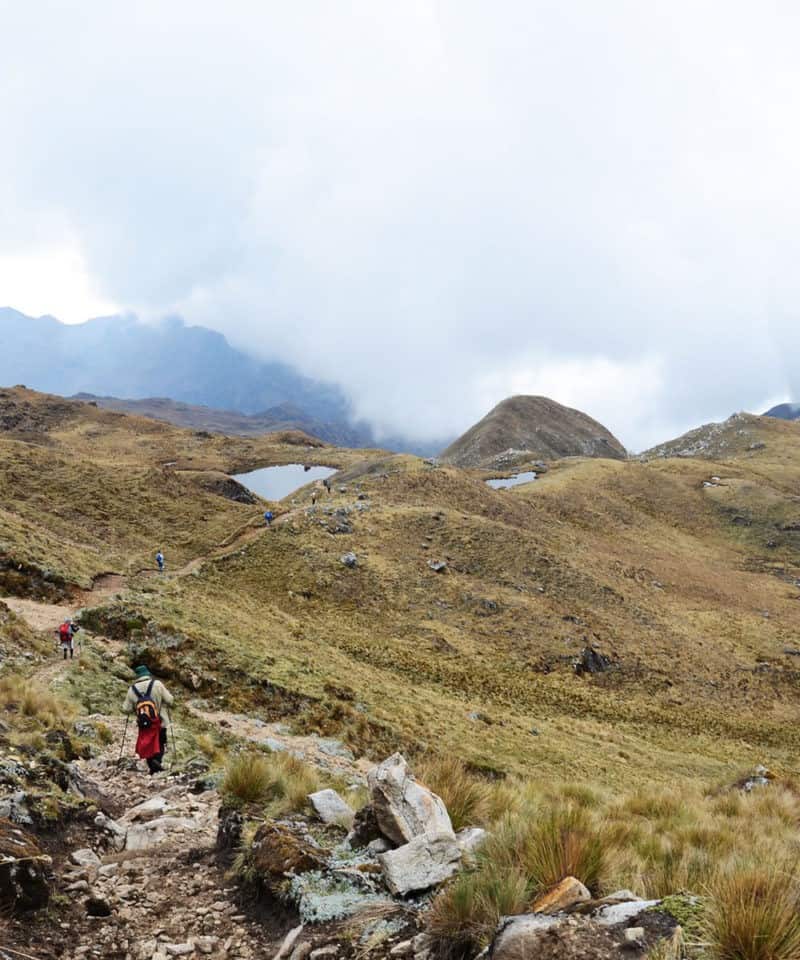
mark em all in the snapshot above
pixel 538 427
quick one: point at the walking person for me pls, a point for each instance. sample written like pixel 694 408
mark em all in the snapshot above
pixel 268 517
pixel 66 637
pixel 327 484
pixel 160 561
pixel 149 699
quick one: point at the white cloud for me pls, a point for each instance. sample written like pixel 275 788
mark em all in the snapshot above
pixel 422 199
pixel 52 280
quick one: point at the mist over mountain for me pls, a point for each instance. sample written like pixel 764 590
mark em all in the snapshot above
pixel 122 358
pixel 785 411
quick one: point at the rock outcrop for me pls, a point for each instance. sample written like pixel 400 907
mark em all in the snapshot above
pixel 404 808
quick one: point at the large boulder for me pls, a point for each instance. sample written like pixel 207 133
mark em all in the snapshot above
pixel 421 863
pixel 24 870
pixel 404 808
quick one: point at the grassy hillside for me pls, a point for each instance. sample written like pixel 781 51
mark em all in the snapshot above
pixel 690 591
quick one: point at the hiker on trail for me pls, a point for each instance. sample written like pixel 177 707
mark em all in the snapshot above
pixel 66 637
pixel 314 493
pixel 268 517
pixel 327 484
pixel 160 561
pixel 148 698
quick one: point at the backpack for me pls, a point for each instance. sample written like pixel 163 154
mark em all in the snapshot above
pixel 146 709
pixel 64 633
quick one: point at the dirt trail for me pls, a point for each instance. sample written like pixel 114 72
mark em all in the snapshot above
pixel 157 877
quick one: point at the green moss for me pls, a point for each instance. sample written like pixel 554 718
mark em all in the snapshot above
pixel 687 910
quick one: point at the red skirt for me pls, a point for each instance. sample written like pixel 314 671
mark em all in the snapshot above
pixel 148 742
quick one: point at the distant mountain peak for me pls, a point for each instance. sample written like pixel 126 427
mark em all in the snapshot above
pixel 538 426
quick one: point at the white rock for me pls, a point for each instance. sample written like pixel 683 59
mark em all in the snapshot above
pixel 470 839
pixel 403 949
pixel 205 944
pixel 404 808
pixel 331 808
pixel 634 934
pixel 178 949
pixel 324 953
pixel 85 858
pixel 149 810
pixel 288 942
pixel 422 863
pixel 622 912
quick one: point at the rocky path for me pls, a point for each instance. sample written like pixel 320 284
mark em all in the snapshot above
pixel 147 885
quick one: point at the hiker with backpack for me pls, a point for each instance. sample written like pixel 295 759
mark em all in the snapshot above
pixel 66 637
pixel 160 561
pixel 149 699
pixel 268 517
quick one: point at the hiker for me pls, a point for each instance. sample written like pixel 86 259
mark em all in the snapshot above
pixel 327 484
pixel 268 517
pixel 160 561
pixel 66 637
pixel 148 698
pixel 314 493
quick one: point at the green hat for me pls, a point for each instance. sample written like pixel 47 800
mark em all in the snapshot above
pixel 142 671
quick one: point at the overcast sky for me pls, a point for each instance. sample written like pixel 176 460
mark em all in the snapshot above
pixel 436 204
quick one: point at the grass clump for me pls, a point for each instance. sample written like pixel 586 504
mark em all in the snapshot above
pixel 279 782
pixel 467 798
pixel 754 914
pixel 35 707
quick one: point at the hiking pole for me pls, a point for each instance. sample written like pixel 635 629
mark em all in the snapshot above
pixel 122 745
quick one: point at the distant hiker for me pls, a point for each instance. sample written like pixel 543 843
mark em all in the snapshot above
pixel 148 698
pixel 66 637
pixel 314 493
pixel 327 484
pixel 268 517
pixel 160 561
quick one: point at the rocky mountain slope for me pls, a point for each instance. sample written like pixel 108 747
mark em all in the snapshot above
pixel 551 659
pixel 531 428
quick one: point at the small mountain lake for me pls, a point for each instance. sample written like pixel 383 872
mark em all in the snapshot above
pixel 503 483
pixel 275 483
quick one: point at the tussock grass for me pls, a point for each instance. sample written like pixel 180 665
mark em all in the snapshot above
pixel 36 706
pixel 754 914
pixel 468 799
pixel 279 781
pixel 653 842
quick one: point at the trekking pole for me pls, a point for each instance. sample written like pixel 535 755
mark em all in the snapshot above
pixel 122 745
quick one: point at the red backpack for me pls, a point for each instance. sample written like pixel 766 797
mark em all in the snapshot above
pixel 64 633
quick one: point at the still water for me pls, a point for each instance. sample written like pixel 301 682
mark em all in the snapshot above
pixel 502 483
pixel 275 483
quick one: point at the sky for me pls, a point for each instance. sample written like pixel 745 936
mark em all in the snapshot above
pixel 435 204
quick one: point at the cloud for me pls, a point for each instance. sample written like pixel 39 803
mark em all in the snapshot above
pixel 436 204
